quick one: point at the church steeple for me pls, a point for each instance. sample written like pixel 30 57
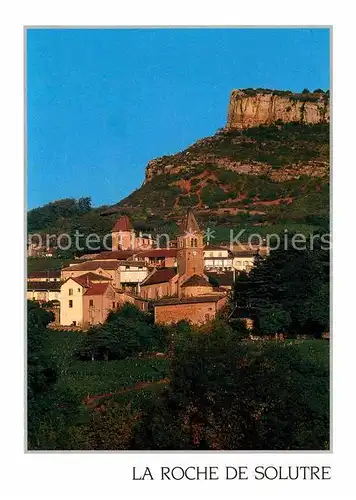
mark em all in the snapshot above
pixel 189 224
pixel 190 255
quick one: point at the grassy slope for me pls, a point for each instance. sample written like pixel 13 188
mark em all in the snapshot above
pixel 94 378
pixel 97 377
pixel 153 206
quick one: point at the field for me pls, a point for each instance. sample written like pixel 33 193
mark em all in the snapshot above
pixel 92 378
pixel 86 379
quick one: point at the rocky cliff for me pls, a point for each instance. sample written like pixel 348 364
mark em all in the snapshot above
pixel 270 162
pixel 251 108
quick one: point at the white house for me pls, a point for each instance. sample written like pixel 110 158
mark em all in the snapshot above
pixel 217 258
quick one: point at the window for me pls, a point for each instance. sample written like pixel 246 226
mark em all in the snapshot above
pixel 207 317
pixel 70 304
pixel 211 254
pixel 113 305
pixel 220 254
pixel 70 291
pixel 78 289
pixel 127 267
pixel 91 303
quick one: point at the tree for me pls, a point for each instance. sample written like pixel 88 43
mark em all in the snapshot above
pixel 41 370
pixel 274 320
pixel 125 333
pixel 280 298
pixel 237 395
pixel 84 205
pixel 305 91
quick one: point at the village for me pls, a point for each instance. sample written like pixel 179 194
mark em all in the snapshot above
pixel 189 280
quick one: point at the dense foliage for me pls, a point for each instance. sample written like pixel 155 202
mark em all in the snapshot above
pixel 223 391
pixel 288 291
pixel 43 400
pixel 234 395
pixel 125 333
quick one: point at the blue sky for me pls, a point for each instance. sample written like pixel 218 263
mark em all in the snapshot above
pixel 101 103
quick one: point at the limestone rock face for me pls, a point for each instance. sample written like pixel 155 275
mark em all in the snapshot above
pixel 250 108
pixel 266 108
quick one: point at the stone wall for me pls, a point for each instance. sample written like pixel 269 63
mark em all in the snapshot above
pixel 197 313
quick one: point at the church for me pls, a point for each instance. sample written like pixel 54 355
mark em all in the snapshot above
pixel 184 292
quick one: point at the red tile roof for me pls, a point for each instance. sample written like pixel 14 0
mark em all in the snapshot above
pixel 88 279
pixel 196 280
pixel 216 247
pixel 44 274
pixel 160 275
pixel 97 289
pixel 122 224
pixel 81 280
pixel 53 286
pixel 95 277
pixel 157 252
pixel 92 265
pixel 189 300
pixel 116 255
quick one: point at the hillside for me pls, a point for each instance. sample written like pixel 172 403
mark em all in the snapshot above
pixel 268 167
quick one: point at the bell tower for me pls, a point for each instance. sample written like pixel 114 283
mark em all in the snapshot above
pixel 190 255
pixel 122 234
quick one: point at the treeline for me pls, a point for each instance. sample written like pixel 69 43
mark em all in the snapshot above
pixel 288 291
pixel 47 216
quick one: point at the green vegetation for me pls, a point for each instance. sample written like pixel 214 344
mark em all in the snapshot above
pixel 125 333
pixel 305 95
pixel 151 206
pixel 47 264
pixel 283 300
pixel 277 145
pixel 48 215
pixel 237 395
pixel 58 382
pixel 273 395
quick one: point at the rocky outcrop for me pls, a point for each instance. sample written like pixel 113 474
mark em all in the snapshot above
pixel 249 108
pixel 293 171
pixel 276 153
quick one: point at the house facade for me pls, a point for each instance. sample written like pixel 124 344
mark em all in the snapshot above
pixel 124 237
pixel 217 258
pixel 43 291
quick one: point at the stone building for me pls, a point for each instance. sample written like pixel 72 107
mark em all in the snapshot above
pixel 124 237
pixel 184 293
pixel 87 299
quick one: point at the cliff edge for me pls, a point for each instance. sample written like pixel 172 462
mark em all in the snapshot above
pixel 251 108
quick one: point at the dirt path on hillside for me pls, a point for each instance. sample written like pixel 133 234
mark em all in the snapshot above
pixel 89 400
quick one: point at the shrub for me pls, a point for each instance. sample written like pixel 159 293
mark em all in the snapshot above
pixel 239 396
